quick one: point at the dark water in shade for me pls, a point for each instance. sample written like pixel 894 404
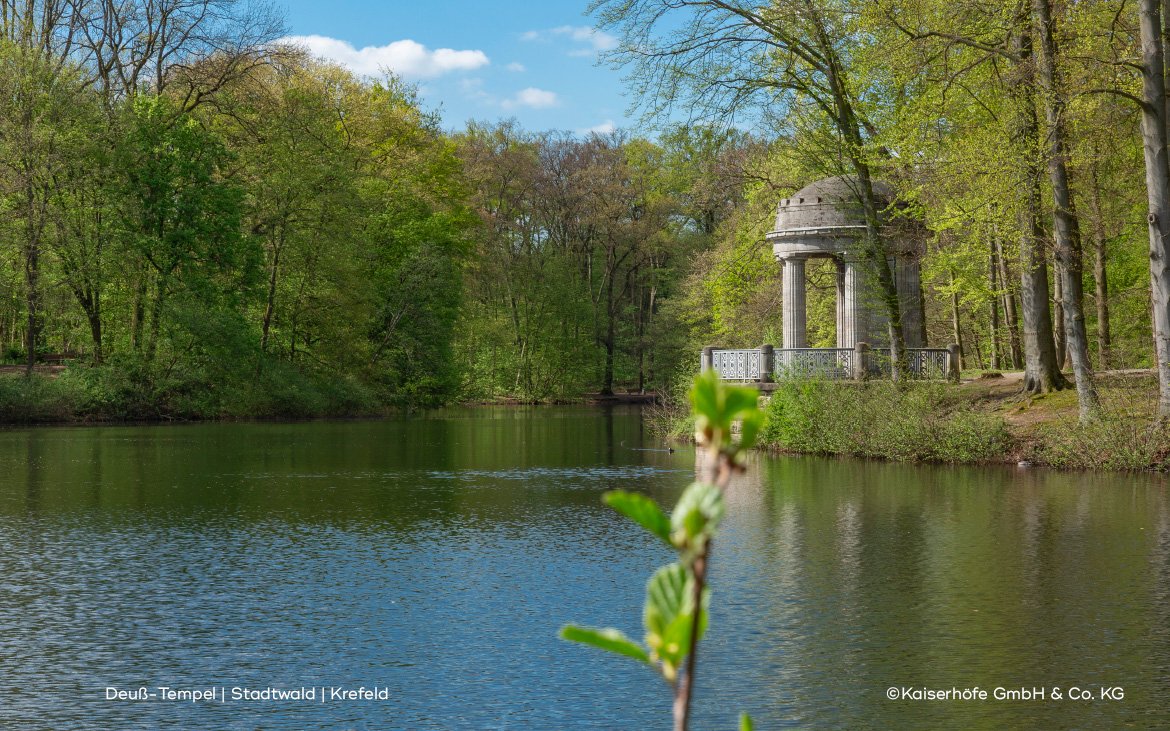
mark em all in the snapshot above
pixel 437 557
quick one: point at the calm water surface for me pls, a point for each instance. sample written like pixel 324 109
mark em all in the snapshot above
pixel 436 557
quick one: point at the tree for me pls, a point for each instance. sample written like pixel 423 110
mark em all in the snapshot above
pixel 1065 222
pixel 38 134
pixel 1154 139
pixel 964 46
pixel 724 56
pixel 181 216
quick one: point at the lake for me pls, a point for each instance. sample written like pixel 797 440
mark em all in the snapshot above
pixel 434 558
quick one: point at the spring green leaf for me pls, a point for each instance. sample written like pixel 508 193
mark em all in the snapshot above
pixel 640 509
pixel 705 395
pixel 669 614
pixel 697 513
pixel 611 640
pixel 717 405
pixel 666 600
pixel 738 401
pixel 745 723
pixel 753 422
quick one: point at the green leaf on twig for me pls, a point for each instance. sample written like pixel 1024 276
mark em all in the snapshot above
pixel 697 514
pixel 745 722
pixel 611 640
pixel 640 509
pixel 717 405
pixel 668 615
pixel 751 424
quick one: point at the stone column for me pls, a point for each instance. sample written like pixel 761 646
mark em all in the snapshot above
pixel 953 355
pixel 907 277
pixel 840 301
pixel 794 314
pixel 852 315
pixel 860 355
pixel 707 360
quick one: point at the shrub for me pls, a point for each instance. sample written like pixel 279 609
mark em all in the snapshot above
pixel 915 421
pixel 1112 442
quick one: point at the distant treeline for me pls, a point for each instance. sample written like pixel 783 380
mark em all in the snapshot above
pixel 205 222
pixel 217 224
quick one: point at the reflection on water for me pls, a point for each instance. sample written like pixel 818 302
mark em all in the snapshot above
pixel 437 557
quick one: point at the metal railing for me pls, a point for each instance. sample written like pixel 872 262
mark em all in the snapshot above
pixel 924 363
pixel 740 365
pixel 831 363
pixel 767 363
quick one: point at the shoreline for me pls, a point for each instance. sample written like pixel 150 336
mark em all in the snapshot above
pixel 985 419
pixel 359 414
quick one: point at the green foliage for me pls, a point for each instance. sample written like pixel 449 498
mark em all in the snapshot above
pixel 671 418
pixel 296 248
pixel 610 640
pixel 717 406
pixel 640 509
pixel 1111 442
pixel 675 612
pixel 668 616
pixel 917 421
pixel 580 255
pixel 38 399
pixel 696 516
pixel 1126 435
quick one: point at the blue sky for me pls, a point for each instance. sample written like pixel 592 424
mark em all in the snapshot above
pixel 534 61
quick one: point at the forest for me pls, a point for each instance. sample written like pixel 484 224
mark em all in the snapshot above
pixel 199 221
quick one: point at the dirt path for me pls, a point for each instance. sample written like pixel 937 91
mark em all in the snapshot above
pixel 44 370
pixel 1004 394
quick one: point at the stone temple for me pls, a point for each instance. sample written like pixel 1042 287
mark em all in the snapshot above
pixel 826 219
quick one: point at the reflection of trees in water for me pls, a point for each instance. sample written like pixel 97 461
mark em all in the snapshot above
pixel 394 472
pixel 880 574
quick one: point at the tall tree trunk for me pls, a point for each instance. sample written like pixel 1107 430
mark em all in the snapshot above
pixel 1010 312
pixel 270 300
pixel 956 325
pixel 640 334
pixel 156 310
pixel 1041 372
pixel 993 274
pixel 887 287
pixel 1154 119
pixel 650 328
pixel 1058 331
pixel 32 279
pixel 1065 224
pixel 978 348
pixel 95 334
pixel 610 317
pixel 920 297
pixel 1099 270
pixel 138 312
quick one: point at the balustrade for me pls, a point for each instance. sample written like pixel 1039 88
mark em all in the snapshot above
pixel 766 363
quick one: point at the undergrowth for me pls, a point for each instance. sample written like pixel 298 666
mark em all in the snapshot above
pixel 906 422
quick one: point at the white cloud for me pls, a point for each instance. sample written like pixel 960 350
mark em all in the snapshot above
pixel 605 128
pixel 406 58
pixel 592 41
pixel 532 97
pixel 516 67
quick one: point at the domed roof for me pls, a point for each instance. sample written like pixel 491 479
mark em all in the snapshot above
pixel 828 203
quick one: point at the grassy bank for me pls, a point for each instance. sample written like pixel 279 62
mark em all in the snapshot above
pixel 983 420
pixel 109 393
